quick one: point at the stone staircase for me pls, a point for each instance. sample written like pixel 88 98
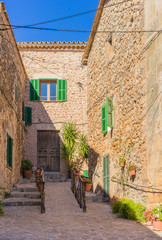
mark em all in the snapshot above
pixel 24 195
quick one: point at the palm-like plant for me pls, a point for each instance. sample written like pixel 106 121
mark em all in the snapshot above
pixel 83 145
pixel 70 135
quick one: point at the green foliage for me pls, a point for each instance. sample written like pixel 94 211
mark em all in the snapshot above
pixel 122 159
pixel 157 211
pixel 70 135
pixel 1 206
pixel 83 145
pixel 26 165
pixel 129 209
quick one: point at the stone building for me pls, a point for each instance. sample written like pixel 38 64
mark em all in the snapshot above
pixel 124 81
pixel 12 90
pixel 56 92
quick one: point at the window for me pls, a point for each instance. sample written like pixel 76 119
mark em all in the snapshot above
pixel 107 115
pixel 9 151
pixel 48 90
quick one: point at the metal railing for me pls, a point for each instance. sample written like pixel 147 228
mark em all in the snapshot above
pixel 78 189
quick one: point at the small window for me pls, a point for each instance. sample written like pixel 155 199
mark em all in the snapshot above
pixel 9 151
pixel 48 91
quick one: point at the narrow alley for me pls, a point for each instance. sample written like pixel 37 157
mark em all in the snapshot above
pixel 65 220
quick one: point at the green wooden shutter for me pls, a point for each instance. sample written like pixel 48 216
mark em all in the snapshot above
pixel 34 89
pixel 109 104
pixel 104 118
pixel 106 177
pixel 8 153
pixel 15 92
pixel 61 90
pixel 23 111
pixel 28 115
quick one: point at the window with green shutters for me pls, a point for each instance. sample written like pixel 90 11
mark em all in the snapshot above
pixel 107 115
pixel 9 151
pixel 28 115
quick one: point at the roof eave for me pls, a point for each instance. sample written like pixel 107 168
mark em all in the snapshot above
pixel 93 32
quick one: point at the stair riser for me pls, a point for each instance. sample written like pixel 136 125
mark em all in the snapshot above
pixel 26 196
pixel 11 204
pixel 26 189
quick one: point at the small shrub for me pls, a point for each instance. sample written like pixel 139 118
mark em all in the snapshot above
pixel 129 209
pixel 1 206
pixel 116 206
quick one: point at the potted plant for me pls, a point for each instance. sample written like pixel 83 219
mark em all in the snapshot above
pixel 132 169
pixel 27 167
pixel 157 223
pixel 77 172
pixel 40 184
pixel 122 161
pixel 149 217
pixel 88 184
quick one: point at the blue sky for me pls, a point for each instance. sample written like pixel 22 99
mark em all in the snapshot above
pixel 23 12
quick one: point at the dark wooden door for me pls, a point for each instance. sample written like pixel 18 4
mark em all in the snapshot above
pixel 49 150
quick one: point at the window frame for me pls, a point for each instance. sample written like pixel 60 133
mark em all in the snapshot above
pixel 48 81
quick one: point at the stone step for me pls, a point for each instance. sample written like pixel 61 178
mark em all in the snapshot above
pixel 21 202
pixel 25 187
pixel 32 195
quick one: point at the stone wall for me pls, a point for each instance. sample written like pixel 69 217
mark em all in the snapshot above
pixel 116 69
pixel 51 60
pixel 11 72
pixel 153 53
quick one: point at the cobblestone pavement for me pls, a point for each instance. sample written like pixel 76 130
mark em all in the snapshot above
pixel 65 220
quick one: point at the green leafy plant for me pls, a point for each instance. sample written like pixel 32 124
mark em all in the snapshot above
pixel 1 204
pixel 157 211
pixel 70 135
pixel 131 167
pixel 122 160
pixel 26 165
pixel 40 182
pixel 129 209
pixel 83 146
pixel 87 180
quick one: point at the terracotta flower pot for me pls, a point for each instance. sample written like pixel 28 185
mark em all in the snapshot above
pixel 27 174
pixel 157 225
pixel 132 172
pixel 77 176
pixel 122 164
pixel 148 223
pixel 88 187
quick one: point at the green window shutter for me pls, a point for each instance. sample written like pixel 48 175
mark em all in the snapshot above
pixel 109 104
pixel 85 173
pixel 28 115
pixel 104 119
pixel 8 153
pixel 15 92
pixel 34 89
pixel 23 111
pixel 61 90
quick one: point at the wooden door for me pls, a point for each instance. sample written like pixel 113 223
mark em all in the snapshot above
pixel 106 177
pixel 49 150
